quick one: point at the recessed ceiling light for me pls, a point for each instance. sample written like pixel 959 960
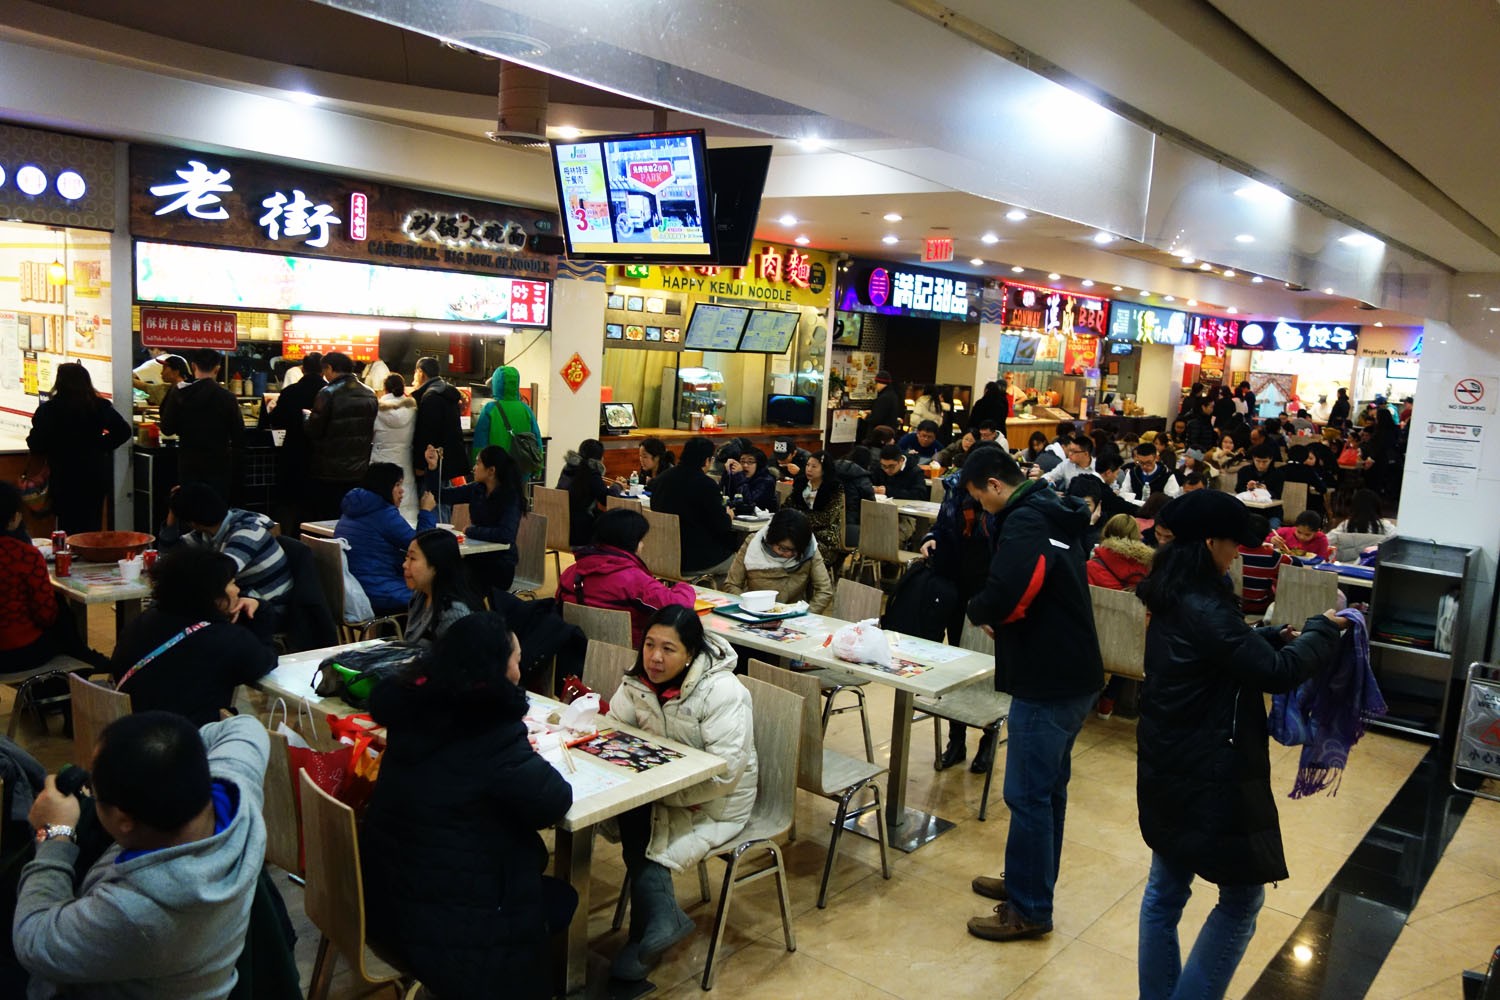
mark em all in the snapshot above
pixel 1054 276
pixel 1018 269
pixel 788 220
pixel 890 238
pixel 803 241
pixel 893 217
pixel 1475 295
pixel 810 143
pixel 1145 294
pixel 1231 310
pixel 1102 238
pixel 1170 298
pixel 1360 240
pixel 303 97
pixel 1016 215
pixel 1186 255
pixel 1258 192
pixel 1229 272
pixel 1192 302
pixel 1256 280
pixel 568 131
pixel 1244 238
pixel 977 261
pixel 1380 324
pixel 1328 291
pixel 1495 309
pixel 1087 283
pixel 1189 259
pixel 1205 267
pixel 1118 288
pixel 989 238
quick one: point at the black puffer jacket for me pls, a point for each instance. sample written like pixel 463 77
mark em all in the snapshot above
pixel 708 536
pixel 1037 598
pixel 855 481
pixel 341 429
pixel 452 860
pixel 206 419
pixel 438 406
pixel 1203 778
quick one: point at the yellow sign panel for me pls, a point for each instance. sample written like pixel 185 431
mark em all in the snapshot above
pixel 776 275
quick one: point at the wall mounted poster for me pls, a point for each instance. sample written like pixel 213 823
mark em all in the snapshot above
pixel 859 374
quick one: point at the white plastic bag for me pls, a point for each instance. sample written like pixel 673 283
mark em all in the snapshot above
pixel 862 642
pixel 1258 495
pixel 356 605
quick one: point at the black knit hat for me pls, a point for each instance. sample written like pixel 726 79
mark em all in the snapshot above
pixel 1205 514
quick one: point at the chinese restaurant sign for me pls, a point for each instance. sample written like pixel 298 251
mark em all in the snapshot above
pixel 780 274
pixel 1300 338
pixel 1052 311
pixel 358 346
pixel 890 290
pixel 175 328
pixel 1148 325
pixel 202 198
pixel 1214 335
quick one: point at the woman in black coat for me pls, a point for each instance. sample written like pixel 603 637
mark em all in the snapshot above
pixel 452 860
pixel 77 431
pixel 1203 779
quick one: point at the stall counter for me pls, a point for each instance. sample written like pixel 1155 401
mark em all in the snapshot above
pixel 1018 430
pixel 621 455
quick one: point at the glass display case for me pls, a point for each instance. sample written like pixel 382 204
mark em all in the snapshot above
pixel 698 397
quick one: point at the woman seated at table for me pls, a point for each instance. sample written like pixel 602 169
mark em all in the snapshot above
pixel 35 624
pixel 682 688
pixel 1302 467
pixel 818 494
pixel 954 454
pixel 434 570
pixel 183 654
pixel 783 557
pixel 371 521
pixel 1035 452
pixel 497 503
pixel 582 478
pixel 656 458
pixel 750 483
pixel 609 573
pixel 1120 560
pixel 1226 454
pixel 1362 528
pixel 452 861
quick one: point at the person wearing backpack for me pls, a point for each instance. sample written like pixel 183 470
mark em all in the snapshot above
pixel 506 421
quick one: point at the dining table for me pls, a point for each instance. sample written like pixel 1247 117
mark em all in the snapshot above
pixel 602 790
pixel 919 667
pixel 91 583
pixel 467 547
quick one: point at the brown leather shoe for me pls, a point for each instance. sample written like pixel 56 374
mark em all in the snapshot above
pixel 990 886
pixel 1006 925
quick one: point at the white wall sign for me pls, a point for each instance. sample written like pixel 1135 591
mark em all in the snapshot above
pixel 1469 393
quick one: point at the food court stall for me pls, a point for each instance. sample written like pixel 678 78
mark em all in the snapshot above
pixel 1053 358
pixel 1291 366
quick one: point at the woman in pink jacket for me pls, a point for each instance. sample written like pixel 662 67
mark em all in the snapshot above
pixel 609 574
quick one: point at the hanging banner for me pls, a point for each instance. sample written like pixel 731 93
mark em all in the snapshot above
pixel 181 329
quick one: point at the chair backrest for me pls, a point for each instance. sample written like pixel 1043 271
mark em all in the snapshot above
pixel 879 531
pixel 973 638
pixel 1120 621
pixel 778 740
pixel 1351 543
pixel 554 505
pixel 856 602
pixel 605 666
pixel 1228 476
pixel 283 837
pixel 334 896
pixel 94 707
pixel 936 490
pixel 807 688
pixel 613 502
pixel 1303 593
pixel 460 515
pixel 1237 575
pixel 328 557
pixel 661 549
pixel 1293 501
pixel 600 624
pixel 783 490
pixel 531 553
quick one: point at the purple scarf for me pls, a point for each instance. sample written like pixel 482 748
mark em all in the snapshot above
pixel 1326 714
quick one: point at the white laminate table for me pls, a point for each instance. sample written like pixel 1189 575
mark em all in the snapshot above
pixel 292 679
pixel 100 583
pixel 938 669
pixel 468 547
pixel 746 526
pixel 918 508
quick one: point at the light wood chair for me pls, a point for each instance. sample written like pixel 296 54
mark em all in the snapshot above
pixel 600 624
pixel 283 831
pixel 661 549
pixel 977 705
pixel 1293 501
pixel 94 708
pixel 783 490
pixel 1302 593
pixel 328 557
pixel 852 602
pixel 461 519
pixel 826 772
pixel 880 538
pixel 1120 621
pixel 531 556
pixel 613 502
pixel 936 490
pixel 334 895
pixel 553 505
pixel 605 666
pixel 1228 476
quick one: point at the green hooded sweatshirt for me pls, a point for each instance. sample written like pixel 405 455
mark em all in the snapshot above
pixel 505 387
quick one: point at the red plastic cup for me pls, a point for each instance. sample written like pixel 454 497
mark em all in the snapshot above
pixel 64 563
pixel 59 541
pixel 148 559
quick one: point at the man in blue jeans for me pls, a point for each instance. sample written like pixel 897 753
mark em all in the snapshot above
pixel 1036 606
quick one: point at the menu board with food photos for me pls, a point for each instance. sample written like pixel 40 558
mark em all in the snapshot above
pixel 859 374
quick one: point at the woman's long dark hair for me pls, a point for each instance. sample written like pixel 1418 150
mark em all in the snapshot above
pixel 449 584
pixel 466 667
pixel 1178 570
pixel 73 387
pixel 382 478
pixel 1364 512
pixel 507 475
pixel 689 628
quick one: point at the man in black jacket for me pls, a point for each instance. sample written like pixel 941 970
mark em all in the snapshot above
pixel 890 405
pixel 900 478
pixel 206 419
pixel 1036 606
pixel 709 540
pixel 438 406
pixel 290 415
pixel 993 406
pixel 1200 427
pixel 340 430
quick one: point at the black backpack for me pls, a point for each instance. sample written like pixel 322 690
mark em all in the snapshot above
pixel 353 673
pixel 922 603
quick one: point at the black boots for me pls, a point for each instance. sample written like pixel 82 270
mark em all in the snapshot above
pixel 957 750
pixel 984 757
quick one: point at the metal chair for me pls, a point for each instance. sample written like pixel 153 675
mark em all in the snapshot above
pixel 880 539
pixel 94 708
pixel 829 773
pixel 553 505
pixel 1120 621
pixel 1302 593
pixel 600 624
pixel 334 895
pixel 328 557
pixel 27 681
pixel 531 556
pixel 852 602
pixel 977 705
pixel 605 666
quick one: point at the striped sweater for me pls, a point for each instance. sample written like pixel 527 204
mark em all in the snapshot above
pixel 245 537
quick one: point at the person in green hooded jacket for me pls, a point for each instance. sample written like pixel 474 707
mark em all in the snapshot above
pixel 505 388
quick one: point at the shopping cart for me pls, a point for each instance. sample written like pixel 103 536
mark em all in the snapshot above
pixel 1478 750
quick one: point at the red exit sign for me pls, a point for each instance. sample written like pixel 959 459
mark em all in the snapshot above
pixel 937 248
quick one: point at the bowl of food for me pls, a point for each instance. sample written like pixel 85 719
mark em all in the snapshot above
pixel 758 601
pixel 109 546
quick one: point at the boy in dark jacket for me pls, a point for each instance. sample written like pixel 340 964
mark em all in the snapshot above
pixel 900 478
pixel 749 483
pixel 1036 606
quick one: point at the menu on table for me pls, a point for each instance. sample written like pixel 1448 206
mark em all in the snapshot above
pixel 628 750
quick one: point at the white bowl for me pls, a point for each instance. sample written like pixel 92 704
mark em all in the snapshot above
pixel 758 600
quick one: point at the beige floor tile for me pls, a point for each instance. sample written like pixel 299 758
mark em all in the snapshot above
pixel 1453 884
pixel 1081 970
pixel 1312 867
pixel 764 968
pixel 1447 989
pixel 1422 958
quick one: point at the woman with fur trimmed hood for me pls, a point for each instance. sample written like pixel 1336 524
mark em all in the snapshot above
pixel 395 421
pixel 1120 560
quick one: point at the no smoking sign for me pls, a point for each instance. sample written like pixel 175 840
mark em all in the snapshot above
pixel 1469 393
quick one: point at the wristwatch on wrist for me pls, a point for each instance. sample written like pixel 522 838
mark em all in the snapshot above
pixel 54 830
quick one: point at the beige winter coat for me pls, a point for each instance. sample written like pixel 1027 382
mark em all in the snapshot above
pixel 713 714
pixel 807 580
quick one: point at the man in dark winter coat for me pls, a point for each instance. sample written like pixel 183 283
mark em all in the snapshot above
pixel 340 431
pixel 994 406
pixel 709 540
pixel 1036 606
pixel 438 406
pixel 290 415
pixel 889 409
pixel 206 419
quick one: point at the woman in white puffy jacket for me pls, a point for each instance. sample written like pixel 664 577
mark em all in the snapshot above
pixel 683 687
pixel 395 421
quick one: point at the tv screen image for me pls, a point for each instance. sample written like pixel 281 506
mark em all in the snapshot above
pixel 769 331
pixel 1402 367
pixel 715 328
pixel 1008 344
pixel 1026 350
pixel 653 333
pixel 614 331
pixel 643 197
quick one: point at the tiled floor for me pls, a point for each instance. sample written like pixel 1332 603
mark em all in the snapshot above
pixel 906 937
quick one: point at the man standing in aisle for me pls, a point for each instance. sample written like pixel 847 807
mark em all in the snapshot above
pixel 438 407
pixel 1036 606
pixel 206 419
pixel 290 415
pixel 340 432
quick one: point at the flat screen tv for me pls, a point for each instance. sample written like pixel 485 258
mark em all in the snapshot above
pixel 1402 368
pixel 642 198
pixel 1116 347
pixel 789 411
pixel 1008 343
pixel 1026 350
pixel 715 328
pixel 769 331
pixel 738 176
